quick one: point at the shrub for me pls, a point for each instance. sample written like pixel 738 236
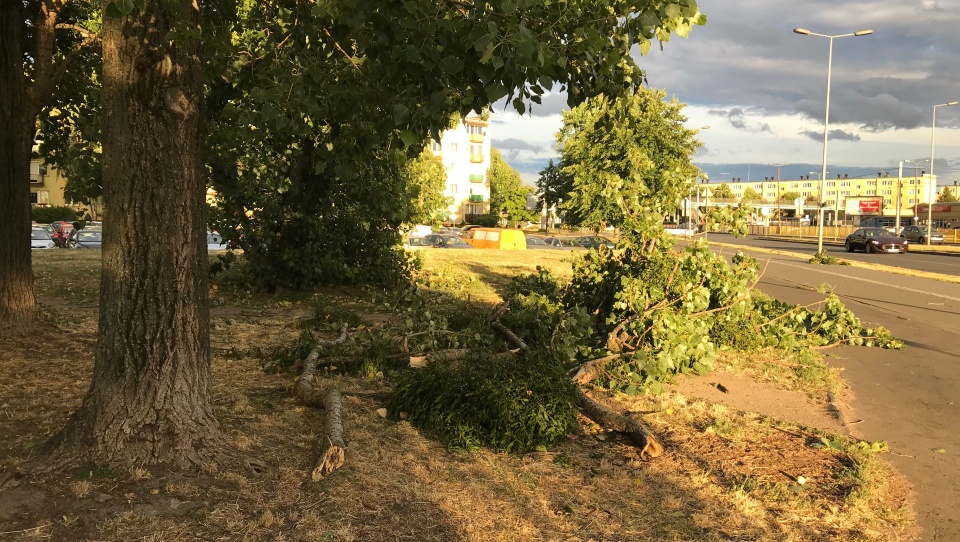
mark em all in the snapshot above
pixel 512 405
pixel 46 215
pixel 487 221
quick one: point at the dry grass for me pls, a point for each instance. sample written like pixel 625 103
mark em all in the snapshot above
pixel 726 474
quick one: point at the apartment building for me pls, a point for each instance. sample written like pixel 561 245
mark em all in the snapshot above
pixel 913 190
pixel 465 151
pixel 46 185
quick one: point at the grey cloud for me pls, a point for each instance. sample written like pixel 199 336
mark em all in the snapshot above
pixel 737 118
pixel 835 135
pixel 512 147
pixel 747 57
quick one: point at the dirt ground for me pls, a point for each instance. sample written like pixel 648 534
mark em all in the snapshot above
pixel 749 464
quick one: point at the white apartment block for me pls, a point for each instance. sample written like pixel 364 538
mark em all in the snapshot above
pixel 465 151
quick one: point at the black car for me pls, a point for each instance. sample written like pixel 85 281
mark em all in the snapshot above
pixel 87 239
pixel 446 241
pixel 534 243
pixel 875 240
pixel 560 243
pixel 595 241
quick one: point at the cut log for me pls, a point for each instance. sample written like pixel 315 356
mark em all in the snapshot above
pixel 589 370
pixel 304 388
pixel 456 354
pixel 332 446
pixel 510 336
pixel 639 433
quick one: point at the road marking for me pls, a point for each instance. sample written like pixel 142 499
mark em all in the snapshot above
pixel 869 281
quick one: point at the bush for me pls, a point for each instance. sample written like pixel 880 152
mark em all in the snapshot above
pixel 513 405
pixel 46 215
pixel 487 221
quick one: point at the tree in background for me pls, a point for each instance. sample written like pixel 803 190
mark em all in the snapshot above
pixel 751 195
pixel 39 44
pixel 722 191
pixel 789 196
pixel 427 180
pixel 508 194
pixel 947 195
pixel 629 159
pixel 554 188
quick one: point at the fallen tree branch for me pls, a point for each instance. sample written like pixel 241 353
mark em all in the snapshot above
pixel 456 354
pixel 304 388
pixel 589 370
pixel 639 433
pixel 332 446
pixel 510 336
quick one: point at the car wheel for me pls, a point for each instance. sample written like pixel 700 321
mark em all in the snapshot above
pixel 922 241
pixel 906 248
pixel 848 246
pixel 869 248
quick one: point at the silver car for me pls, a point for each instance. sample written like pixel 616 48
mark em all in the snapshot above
pixel 919 234
pixel 39 238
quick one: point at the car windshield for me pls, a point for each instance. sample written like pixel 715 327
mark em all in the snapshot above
pixel 89 236
pixel 536 241
pixel 453 241
pixel 876 232
pixel 418 242
pixel 39 234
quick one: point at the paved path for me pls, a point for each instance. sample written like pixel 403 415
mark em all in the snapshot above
pixel 909 398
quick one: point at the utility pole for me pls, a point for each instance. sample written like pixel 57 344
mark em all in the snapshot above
pixel 896 227
pixel 779 216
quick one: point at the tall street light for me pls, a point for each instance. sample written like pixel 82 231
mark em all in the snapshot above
pixel 826 120
pixel 779 214
pixel 933 186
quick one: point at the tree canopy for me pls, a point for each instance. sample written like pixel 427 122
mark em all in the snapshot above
pixel 751 195
pixel 629 158
pixel 508 194
pixel 722 191
pixel 947 195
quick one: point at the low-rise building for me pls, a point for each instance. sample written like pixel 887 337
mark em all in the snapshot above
pixel 465 151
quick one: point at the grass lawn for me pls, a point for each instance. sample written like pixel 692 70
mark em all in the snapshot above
pixel 726 474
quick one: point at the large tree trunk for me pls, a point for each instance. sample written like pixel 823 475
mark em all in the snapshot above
pixel 150 401
pixel 18 305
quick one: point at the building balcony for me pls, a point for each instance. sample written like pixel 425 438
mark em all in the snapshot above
pixel 476 158
pixel 476 198
pixel 476 178
pixel 36 180
pixel 476 138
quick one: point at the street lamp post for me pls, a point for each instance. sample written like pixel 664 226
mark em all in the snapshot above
pixel 933 186
pixel 916 179
pixel 779 215
pixel 826 120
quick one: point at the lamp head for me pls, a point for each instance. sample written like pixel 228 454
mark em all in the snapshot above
pixel 803 31
pixel 952 103
pixel 866 32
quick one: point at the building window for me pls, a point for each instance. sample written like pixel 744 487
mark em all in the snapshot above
pixel 887 192
pixel 871 192
pixel 474 129
pixel 805 194
pixel 912 191
pixel 887 201
pixel 913 201
pixel 845 183
pixel 771 186
pixel 453 189
pixel 453 147
pixel 832 193
pixel 434 146
pixel 771 194
pixel 476 150
pixel 831 183
pixel 807 185
pixel 758 186
pixel 33 198
pixel 887 183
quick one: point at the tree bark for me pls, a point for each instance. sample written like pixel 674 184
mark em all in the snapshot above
pixel 18 303
pixel 150 401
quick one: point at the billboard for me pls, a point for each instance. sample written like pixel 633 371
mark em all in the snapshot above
pixel 863 205
pixel 937 208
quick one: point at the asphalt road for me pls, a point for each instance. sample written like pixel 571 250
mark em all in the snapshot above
pixel 935 263
pixel 909 398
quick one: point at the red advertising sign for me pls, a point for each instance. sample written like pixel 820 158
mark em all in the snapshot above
pixel 870 206
pixel 922 208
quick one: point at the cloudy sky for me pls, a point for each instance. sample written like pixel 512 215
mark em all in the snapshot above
pixel 761 89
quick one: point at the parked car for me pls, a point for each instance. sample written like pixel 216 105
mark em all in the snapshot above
pixel 537 243
pixel 417 243
pixel 448 230
pixel 919 234
pixel 215 241
pixel 560 243
pixel 875 240
pixel 40 239
pixel 496 238
pixel 87 239
pixel 61 233
pixel 595 241
pixel 446 241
